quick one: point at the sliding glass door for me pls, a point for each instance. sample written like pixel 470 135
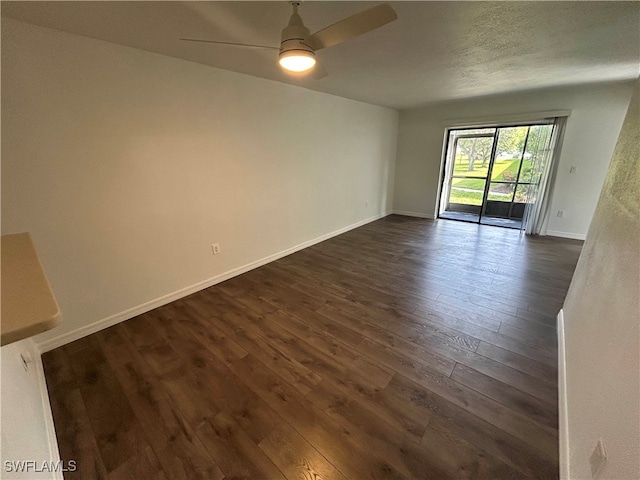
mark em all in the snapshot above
pixel 492 173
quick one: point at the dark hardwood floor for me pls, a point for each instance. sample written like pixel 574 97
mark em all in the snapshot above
pixel 403 349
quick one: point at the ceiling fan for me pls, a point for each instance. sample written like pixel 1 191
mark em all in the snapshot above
pixel 298 47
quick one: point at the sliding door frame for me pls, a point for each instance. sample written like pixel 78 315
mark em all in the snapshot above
pixel 445 175
pixel 492 161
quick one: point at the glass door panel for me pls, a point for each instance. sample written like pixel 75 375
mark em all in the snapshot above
pixel 470 170
pixel 501 192
pixel 525 193
pixel 505 169
pixel 533 163
pixel 511 142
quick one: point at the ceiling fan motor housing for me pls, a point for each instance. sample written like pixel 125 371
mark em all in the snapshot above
pixel 292 40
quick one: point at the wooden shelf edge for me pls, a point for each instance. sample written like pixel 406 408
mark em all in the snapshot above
pixel 31 330
pixel 28 304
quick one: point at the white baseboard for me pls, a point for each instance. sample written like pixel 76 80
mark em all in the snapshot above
pixel 101 324
pixel 52 440
pixel 562 399
pixel 413 214
pixel 573 236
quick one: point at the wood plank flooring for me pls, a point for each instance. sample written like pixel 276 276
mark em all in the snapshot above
pixel 403 349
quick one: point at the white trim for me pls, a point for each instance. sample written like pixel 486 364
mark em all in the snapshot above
pixel 505 120
pixel 562 400
pixel 107 322
pixel 573 236
pixel 442 175
pixel 52 439
pixel 413 214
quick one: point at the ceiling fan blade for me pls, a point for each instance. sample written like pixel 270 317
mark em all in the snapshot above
pixel 319 71
pixel 229 43
pixel 352 26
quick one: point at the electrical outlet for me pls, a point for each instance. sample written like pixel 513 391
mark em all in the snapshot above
pixel 598 460
pixel 560 213
pixel 215 248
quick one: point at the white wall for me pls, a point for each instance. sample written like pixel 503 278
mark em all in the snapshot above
pixel 126 166
pixel 25 415
pixel 602 323
pixel 596 116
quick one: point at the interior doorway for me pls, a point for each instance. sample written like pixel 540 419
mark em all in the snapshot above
pixel 491 174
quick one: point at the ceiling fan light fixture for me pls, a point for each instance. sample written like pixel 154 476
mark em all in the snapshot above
pixel 297 60
pixel 298 47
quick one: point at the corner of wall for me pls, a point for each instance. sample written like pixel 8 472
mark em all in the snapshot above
pixel 28 431
pixel 52 439
pixel 563 418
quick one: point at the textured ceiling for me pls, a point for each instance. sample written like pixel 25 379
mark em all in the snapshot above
pixel 435 51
